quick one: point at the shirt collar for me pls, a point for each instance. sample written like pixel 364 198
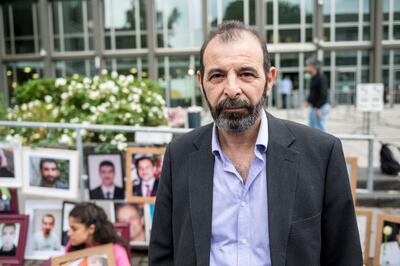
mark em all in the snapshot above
pixel 149 182
pixel 261 142
pixel 107 189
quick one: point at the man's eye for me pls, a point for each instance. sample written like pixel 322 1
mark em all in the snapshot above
pixel 247 74
pixel 216 76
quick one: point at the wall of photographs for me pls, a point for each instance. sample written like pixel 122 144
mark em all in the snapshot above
pixel 40 186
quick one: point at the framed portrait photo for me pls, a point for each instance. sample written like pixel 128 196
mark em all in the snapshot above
pixel 67 207
pixel 133 214
pixel 143 168
pixel 106 177
pixel 364 219
pixel 100 255
pixel 13 231
pixel 387 251
pixel 44 232
pixel 10 164
pixel 8 201
pixel 51 173
pixel 352 170
pixel 108 207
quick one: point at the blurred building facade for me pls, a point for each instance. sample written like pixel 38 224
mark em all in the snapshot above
pixel 358 41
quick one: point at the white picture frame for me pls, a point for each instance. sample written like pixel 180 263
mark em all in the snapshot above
pixel 15 181
pixel 33 208
pixel 66 160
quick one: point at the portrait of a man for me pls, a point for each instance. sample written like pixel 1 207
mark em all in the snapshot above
pixel 4 169
pixel 107 189
pixel 132 214
pixel 146 169
pixel 8 245
pixel 46 238
pixel 50 174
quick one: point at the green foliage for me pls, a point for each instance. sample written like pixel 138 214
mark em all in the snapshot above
pixel 3 108
pixel 106 99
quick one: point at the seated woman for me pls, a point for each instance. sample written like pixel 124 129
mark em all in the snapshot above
pixel 90 227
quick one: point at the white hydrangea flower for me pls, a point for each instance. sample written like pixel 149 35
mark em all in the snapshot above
pixel 85 106
pixel 74 120
pixel 65 139
pixel 24 107
pixel 86 80
pixel 64 95
pixel 93 109
pixel 102 137
pixel 60 82
pixel 114 74
pixel 115 89
pixel 79 86
pixel 55 112
pixel 75 76
pixel 48 98
pixel 93 95
pixel 113 99
pixel 122 146
pixel 130 78
pixel 125 90
pixel 128 115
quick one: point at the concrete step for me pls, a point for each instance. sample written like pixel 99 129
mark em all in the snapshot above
pixel 379 199
pixel 383 183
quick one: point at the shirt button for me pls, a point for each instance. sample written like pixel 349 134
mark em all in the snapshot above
pixel 244 241
pixel 243 203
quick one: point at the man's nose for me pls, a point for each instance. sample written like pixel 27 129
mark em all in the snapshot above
pixel 232 86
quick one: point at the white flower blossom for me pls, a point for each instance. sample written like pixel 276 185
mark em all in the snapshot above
pixel 114 74
pixel 102 137
pixel 93 109
pixel 85 106
pixel 24 107
pixel 113 99
pixel 128 115
pixel 130 78
pixel 75 76
pixel 122 146
pixel 48 98
pixel 65 139
pixel 64 95
pixel 60 82
pixel 387 230
pixel 93 95
pixel 86 80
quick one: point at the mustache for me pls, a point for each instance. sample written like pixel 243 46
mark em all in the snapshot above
pixel 232 103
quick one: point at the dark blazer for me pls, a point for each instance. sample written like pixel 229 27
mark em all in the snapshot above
pixel 137 189
pixel 97 193
pixel 311 213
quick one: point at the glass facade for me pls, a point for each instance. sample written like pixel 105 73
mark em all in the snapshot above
pixel 160 39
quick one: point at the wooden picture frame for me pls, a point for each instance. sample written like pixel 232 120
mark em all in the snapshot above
pixel 133 181
pixel 16 225
pixel 11 164
pixel 352 170
pixel 66 161
pixel 8 201
pixel 387 228
pixel 364 220
pixel 105 252
pixel 133 214
pixel 93 166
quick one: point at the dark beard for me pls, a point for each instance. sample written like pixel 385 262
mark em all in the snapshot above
pixel 236 122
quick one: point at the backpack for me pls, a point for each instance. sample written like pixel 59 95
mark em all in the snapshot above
pixel 389 164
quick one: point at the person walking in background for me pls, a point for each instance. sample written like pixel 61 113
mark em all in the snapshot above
pixel 318 98
pixel 286 87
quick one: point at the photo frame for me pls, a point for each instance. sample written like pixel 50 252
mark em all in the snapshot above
pixel 13 231
pixel 352 170
pixel 147 161
pixel 108 207
pixel 8 201
pixel 387 240
pixel 133 214
pixel 123 230
pixel 45 229
pixel 67 206
pixel 51 173
pixel 103 252
pixel 105 169
pixel 364 220
pixel 10 164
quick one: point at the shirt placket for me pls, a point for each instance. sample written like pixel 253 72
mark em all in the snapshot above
pixel 244 229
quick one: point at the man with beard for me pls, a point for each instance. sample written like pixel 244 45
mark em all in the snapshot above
pixel 251 189
pixel 46 239
pixel 50 173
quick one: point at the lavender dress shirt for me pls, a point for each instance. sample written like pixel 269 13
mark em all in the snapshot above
pixel 240 210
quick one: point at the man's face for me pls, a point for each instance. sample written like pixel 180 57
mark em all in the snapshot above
pixel 146 169
pixel 311 69
pixel 235 84
pixel 47 225
pixel 7 236
pixel 129 215
pixel 50 172
pixel 107 175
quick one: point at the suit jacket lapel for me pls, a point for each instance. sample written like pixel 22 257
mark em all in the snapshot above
pixel 281 180
pixel 201 171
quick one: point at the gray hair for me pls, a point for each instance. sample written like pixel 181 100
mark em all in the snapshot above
pixel 313 61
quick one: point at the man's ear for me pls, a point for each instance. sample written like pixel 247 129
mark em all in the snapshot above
pixel 200 81
pixel 270 80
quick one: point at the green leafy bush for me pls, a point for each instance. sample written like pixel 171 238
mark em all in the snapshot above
pixel 106 99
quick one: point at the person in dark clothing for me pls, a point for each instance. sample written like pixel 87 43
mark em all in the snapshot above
pixel 318 97
pixel 7 236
